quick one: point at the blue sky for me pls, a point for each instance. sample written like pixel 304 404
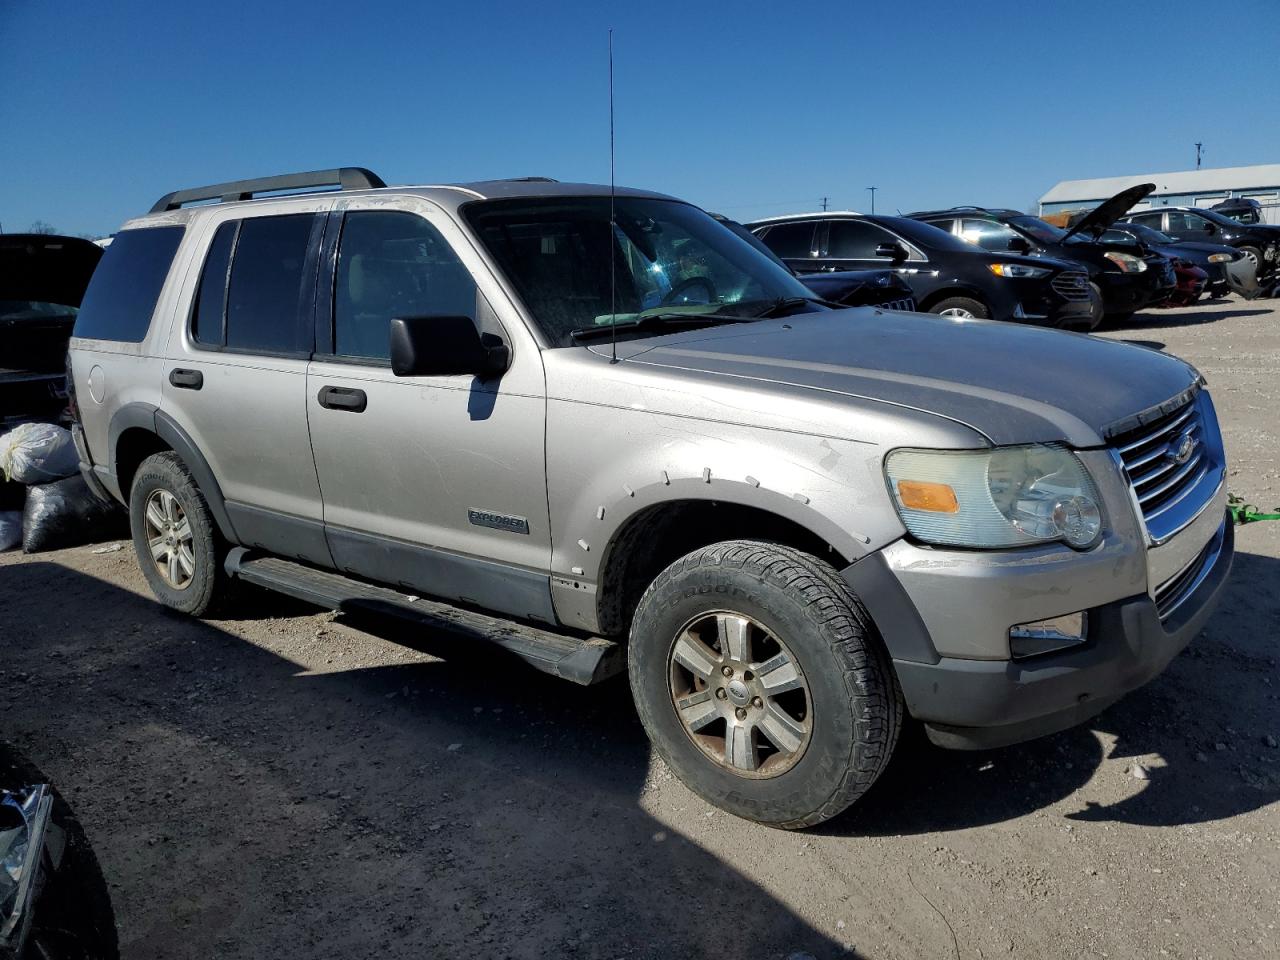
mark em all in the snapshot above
pixel 749 109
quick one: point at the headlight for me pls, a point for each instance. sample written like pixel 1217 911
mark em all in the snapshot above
pixel 1004 497
pixel 1220 258
pixel 1126 262
pixel 1017 270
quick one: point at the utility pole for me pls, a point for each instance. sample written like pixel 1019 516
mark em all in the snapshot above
pixel 1198 146
pixel 824 204
pixel 873 199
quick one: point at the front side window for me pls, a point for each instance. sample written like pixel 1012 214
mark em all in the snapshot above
pixel 855 240
pixel 393 264
pixel 577 271
pixel 267 285
pixel 988 234
pixel 126 285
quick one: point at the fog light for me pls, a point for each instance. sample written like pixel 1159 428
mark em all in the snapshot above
pixel 1045 636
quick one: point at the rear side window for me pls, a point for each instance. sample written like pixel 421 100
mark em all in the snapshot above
pixel 393 264
pixel 256 285
pixel 126 285
pixel 1151 220
pixel 793 241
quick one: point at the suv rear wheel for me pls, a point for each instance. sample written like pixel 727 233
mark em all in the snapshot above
pixel 177 544
pixel 761 683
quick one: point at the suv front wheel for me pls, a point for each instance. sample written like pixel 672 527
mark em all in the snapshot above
pixel 177 544
pixel 761 683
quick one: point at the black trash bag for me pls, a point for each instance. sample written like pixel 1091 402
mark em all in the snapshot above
pixel 66 513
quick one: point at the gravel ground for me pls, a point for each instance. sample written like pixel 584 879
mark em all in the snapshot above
pixel 292 784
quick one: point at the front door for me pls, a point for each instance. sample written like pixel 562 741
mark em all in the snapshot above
pixel 435 483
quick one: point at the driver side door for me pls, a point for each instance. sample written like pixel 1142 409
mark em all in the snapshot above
pixel 433 483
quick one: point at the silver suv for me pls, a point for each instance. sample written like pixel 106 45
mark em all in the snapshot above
pixel 606 433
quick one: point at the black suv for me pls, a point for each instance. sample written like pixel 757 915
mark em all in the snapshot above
pixel 947 275
pixel 1259 242
pixel 1125 277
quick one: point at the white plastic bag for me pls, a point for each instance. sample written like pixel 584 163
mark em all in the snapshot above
pixel 10 529
pixel 38 453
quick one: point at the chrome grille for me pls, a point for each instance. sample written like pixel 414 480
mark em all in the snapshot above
pixel 1165 459
pixel 1071 285
pixel 1171 594
pixel 907 304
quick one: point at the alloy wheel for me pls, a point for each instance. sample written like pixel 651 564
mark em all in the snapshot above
pixel 169 538
pixel 958 312
pixel 740 694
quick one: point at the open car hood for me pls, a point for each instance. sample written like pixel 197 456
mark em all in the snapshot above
pixel 1109 211
pixel 46 268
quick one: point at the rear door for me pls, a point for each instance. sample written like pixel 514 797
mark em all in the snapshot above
pixel 435 483
pixel 235 376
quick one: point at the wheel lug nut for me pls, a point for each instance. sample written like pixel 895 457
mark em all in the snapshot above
pixel 720 694
pixel 757 703
pixel 741 713
pixel 727 671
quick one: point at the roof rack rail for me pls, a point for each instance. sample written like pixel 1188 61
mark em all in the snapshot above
pixel 344 178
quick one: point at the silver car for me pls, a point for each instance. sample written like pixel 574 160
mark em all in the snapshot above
pixel 605 433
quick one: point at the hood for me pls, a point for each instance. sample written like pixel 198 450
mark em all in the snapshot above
pixel 1109 211
pixel 1011 383
pixel 46 268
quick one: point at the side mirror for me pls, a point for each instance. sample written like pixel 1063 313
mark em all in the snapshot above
pixel 445 346
pixel 892 251
pixel 1019 245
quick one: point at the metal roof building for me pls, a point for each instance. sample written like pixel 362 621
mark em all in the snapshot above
pixel 1199 188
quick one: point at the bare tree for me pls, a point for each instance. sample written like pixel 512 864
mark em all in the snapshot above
pixel 42 226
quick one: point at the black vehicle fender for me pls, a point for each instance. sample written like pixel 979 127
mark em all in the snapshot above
pixel 181 443
pixel 131 415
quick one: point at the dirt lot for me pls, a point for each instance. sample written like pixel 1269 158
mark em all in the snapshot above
pixel 290 784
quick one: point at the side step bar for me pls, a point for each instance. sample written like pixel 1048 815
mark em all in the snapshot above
pixel 582 660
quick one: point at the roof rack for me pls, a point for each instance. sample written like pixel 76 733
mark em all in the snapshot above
pixel 344 178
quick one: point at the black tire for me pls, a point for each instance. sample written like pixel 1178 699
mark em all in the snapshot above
pixel 970 306
pixel 1096 307
pixel 1120 317
pixel 207 583
pixel 856 706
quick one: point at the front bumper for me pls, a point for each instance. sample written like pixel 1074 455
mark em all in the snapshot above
pixel 945 616
pixel 1127 292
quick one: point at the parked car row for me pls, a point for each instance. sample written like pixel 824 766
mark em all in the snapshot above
pixel 984 262
pixel 628 440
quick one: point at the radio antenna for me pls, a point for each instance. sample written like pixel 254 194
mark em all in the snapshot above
pixel 613 228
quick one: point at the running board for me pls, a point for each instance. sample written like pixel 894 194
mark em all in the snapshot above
pixel 582 660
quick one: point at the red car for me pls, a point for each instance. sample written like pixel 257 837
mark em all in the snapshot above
pixel 1191 283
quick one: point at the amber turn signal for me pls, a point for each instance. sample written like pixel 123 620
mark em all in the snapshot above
pixel 935 497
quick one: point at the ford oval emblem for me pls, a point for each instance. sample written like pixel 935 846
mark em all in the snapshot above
pixel 1184 451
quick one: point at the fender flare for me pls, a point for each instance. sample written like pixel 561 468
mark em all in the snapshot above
pixel 168 430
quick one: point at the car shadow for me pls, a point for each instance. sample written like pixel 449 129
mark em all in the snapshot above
pixel 242 805
pixel 463 804
pixel 1190 318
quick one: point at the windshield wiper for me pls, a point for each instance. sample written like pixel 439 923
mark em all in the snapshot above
pixel 784 305
pixel 655 321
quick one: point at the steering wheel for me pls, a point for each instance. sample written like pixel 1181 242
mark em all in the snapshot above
pixel 675 292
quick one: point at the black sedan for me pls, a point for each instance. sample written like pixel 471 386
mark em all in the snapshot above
pixel 947 275
pixel 1259 242
pixel 849 288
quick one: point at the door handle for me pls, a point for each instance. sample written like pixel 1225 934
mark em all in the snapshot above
pixel 186 379
pixel 343 398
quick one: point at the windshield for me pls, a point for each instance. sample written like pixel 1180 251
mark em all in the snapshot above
pixel 667 257
pixel 1037 229
pixel 34 310
pixel 1126 232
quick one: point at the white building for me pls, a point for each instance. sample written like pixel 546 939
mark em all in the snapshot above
pixel 1199 188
